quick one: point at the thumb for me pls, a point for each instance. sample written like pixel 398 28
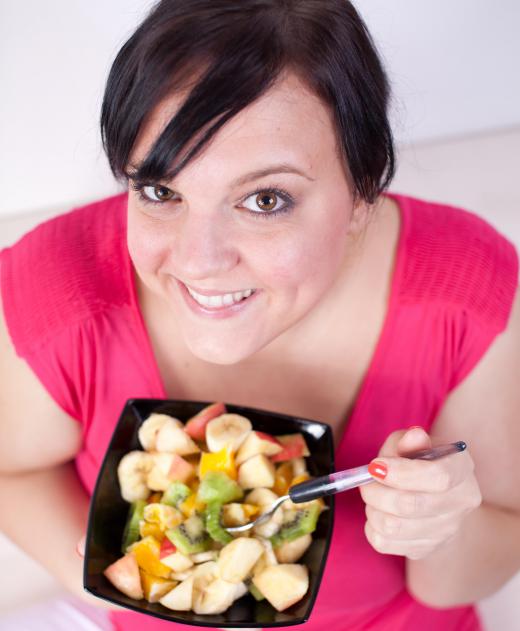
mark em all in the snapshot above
pixel 80 547
pixel 413 439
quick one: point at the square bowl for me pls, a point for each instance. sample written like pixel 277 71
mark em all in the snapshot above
pixel 108 514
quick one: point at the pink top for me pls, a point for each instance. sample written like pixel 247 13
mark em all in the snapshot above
pixel 71 308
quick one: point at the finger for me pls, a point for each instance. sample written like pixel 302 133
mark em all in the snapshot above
pixel 436 528
pixel 463 497
pixel 415 549
pixel 431 476
pixel 406 440
pixel 414 439
pixel 80 547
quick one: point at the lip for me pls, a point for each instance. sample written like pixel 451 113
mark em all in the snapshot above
pixel 215 313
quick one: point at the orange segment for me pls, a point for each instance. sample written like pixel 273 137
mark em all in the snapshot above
pixel 283 478
pixel 146 553
pixel 250 510
pixel 300 478
pixel 146 529
pixel 191 504
pixel 155 587
pixel 154 497
pixel 222 460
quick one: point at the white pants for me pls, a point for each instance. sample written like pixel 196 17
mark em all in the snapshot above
pixel 61 614
pixel 57 614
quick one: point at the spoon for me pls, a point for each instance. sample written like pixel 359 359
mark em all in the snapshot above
pixel 341 481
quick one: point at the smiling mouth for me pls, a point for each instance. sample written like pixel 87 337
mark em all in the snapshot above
pixel 220 300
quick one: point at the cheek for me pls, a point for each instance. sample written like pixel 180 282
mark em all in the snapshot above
pixel 309 258
pixel 147 247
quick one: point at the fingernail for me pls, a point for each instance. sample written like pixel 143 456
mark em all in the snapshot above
pixel 378 469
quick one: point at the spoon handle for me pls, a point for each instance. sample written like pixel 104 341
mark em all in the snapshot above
pixel 350 478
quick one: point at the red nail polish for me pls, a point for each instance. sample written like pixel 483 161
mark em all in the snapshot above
pixel 378 469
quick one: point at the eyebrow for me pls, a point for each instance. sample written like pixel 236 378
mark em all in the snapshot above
pixel 256 175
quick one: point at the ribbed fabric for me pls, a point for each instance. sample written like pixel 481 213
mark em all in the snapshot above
pixel 71 308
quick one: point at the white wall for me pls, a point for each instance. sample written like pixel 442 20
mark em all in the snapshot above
pixel 453 65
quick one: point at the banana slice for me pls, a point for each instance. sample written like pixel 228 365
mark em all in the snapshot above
pixel 132 472
pixel 227 429
pixel 265 498
pixel 148 431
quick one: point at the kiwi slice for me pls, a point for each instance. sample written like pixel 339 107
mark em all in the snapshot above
pixel 302 523
pixel 190 536
pixel 175 494
pixel 213 526
pixel 216 486
pixel 255 592
pixel 131 532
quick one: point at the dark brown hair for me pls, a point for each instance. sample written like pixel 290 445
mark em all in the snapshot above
pixel 239 49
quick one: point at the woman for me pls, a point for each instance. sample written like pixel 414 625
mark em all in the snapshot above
pixel 256 259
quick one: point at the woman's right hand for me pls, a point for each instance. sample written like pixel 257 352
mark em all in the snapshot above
pixel 96 602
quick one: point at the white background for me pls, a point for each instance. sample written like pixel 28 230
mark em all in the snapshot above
pixel 454 67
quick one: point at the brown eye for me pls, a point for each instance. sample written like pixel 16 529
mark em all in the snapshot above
pixel 162 193
pixel 266 200
pixel 155 194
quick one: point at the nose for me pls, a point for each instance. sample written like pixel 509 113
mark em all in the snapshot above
pixel 203 248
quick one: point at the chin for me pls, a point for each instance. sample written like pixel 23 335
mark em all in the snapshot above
pixel 220 351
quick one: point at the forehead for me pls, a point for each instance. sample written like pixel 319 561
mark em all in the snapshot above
pixel 288 122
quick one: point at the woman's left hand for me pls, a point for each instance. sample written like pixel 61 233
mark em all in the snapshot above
pixel 419 505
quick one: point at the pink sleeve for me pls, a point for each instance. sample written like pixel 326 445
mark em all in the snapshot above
pixel 488 308
pixel 51 356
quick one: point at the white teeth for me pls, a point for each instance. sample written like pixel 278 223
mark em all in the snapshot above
pixel 223 300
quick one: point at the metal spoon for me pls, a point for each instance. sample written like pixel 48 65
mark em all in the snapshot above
pixel 341 481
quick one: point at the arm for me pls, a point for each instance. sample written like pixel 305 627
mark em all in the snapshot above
pixel 485 412
pixel 46 504
pixel 47 516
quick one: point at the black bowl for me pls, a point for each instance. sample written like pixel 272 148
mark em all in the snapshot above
pixel 108 512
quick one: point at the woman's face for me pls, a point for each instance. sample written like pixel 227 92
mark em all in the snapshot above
pixel 251 234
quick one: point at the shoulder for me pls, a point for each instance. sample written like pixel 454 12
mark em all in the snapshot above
pixel 454 257
pixel 64 270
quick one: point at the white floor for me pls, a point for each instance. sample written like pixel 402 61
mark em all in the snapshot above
pixel 479 173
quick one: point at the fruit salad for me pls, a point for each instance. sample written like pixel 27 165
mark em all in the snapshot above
pixel 185 487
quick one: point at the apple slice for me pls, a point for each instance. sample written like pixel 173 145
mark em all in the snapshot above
pixel 173 439
pixel 258 443
pixel 177 561
pixel 167 548
pixel 196 426
pixel 167 468
pixel 180 469
pixel 180 597
pixel 292 551
pixel 257 472
pixel 283 584
pixel 237 558
pixel 294 446
pixel 214 597
pixel 124 576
